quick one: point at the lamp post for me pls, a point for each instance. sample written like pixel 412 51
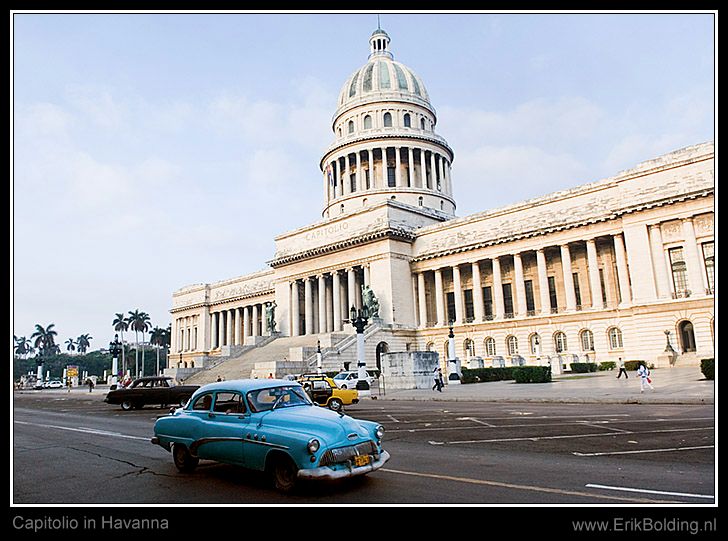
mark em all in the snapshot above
pixel 319 358
pixel 114 349
pixel 359 320
pixel 453 369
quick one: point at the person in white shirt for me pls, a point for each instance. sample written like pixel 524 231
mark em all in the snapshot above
pixel 644 374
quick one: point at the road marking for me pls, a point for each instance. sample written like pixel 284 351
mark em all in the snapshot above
pixel 666 450
pixel 531 488
pixel 85 430
pixel 647 491
pixel 393 419
pixel 473 419
pixel 572 436
pixel 602 424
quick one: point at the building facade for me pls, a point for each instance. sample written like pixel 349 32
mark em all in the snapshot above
pixel 596 272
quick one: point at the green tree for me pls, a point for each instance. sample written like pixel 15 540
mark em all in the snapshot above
pixel 44 339
pixel 139 323
pixel 121 324
pixel 71 344
pixel 158 338
pixel 22 346
pixel 84 342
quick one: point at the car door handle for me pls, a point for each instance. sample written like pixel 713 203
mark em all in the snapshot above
pixel 211 415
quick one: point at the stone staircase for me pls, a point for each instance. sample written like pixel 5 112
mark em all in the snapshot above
pixel 280 356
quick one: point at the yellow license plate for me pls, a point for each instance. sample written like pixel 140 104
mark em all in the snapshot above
pixel 361 460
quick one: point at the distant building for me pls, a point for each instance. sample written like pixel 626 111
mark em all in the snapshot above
pixel 596 272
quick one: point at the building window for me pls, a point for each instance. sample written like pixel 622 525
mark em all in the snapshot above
pixel 512 345
pixel 351 126
pixel 469 311
pixel 530 306
pixel 422 124
pixel 577 290
pixel 420 200
pixel 366 178
pixel 407 120
pixel 679 272
pixel 615 338
pixel 709 260
pixel 604 289
pixel 352 182
pixel 430 346
pixel 391 177
pixel 387 120
pixel 687 336
pixel 488 302
pixel 553 300
pixel 508 300
pixel 341 209
pixel 490 347
pixel 368 122
pixel 560 342
pixel 587 340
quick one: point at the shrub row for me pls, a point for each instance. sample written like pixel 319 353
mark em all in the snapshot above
pixel 707 367
pixel 581 368
pixel 532 374
pixel 607 365
pixel 476 375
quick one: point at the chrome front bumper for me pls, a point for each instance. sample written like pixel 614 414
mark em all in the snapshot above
pixel 328 473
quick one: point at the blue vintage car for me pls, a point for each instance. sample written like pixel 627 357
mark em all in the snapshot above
pixel 273 426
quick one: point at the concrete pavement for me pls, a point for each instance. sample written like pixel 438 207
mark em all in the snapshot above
pixel 679 385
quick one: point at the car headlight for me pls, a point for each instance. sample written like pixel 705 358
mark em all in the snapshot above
pixel 313 445
pixel 379 433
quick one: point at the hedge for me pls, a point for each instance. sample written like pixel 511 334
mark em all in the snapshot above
pixel 532 374
pixel 707 367
pixel 583 367
pixel 476 375
pixel 607 365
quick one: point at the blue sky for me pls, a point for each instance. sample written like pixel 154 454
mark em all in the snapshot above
pixel 184 143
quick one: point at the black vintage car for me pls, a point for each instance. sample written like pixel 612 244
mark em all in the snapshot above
pixel 151 390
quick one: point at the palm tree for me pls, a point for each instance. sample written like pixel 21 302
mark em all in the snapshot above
pixel 138 322
pixel 22 346
pixel 84 342
pixel 45 339
pixel 157 337
pixel 121 324
pixel 71 345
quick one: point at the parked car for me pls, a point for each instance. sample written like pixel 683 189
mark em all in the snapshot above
pixel 322 390
pixel 272 426
pixel 349 379
pixel 144 391
pixel 53 384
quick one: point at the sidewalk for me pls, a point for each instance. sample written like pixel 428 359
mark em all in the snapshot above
pixel 685 385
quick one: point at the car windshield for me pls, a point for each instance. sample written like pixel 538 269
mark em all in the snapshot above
pixel 342 375
pixel 278 397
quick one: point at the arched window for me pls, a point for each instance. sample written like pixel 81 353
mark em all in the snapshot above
pixel 351 126
pixel 442 205
pixel 430 346
pixel 368 122
pixel 422 123
pixel 341 209
pixel 687 336
pixel 615 338
pixel 512 345
pixel 534 342
pixel 560 342
pixel 387 120
pixel 490 346
pixel 587 340
pixel 407 120
pixel 382 347
pixel 420 200
pixel 469 348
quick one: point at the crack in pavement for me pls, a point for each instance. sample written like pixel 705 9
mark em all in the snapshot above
pixel 141 469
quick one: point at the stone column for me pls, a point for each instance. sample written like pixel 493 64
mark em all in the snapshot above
pixel 521 308
pixel 478 311
pixel 439 299
pixel 220 330
pixel 398 166
pixel 622 273
pixel 308 304
pixel 443 180
pixel 359 181
pixel 458 290
pixel 254 318
pixel 346 181
pixel 422 299
pixel 423 168
pixel 385 182
pixel 295 310
pixel 246 322
pixel 595 285
pixel 367 275
pixel 658 262
pixel 568 278
pixel 500 308
pixel 228 327
pixel 321 303
pixel 237 339
pixel 336 295
pixel 370 164
pixel 696 284
pixel 433 169
pixel 411 167
pixel 543 282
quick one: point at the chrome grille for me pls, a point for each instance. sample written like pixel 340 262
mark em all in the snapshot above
pixel 344 454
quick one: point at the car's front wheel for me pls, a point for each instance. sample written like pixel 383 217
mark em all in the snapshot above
pixel 284 473
pixel 126 405
pixel 336 404
pixel 184 461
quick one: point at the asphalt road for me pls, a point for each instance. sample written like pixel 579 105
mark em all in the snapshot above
pixel 71 450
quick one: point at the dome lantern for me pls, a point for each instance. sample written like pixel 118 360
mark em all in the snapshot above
pixel 379 44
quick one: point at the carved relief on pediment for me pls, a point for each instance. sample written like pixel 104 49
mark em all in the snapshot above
pixel 672 231
pixel 703 224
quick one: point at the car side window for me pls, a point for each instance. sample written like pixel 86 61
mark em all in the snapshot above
pixel 229 402
pixel 203 403
pixel 162 383
pixel 321 384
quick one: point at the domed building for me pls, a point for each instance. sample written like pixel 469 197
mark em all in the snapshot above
pixel 618 268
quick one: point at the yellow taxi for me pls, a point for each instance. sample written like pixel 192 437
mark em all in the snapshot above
pixel 324 391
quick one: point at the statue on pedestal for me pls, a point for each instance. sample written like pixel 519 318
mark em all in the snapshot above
pixel 370 301
pixel 270 317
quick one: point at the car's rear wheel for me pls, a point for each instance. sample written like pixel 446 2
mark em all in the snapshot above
pixel 336 404
pixel 184 461
pixel 285 473
pixel 126 405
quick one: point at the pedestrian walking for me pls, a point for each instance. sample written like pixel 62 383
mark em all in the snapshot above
pixel 90 383
pixel 622 369
pixel 644 374
pixel 439 382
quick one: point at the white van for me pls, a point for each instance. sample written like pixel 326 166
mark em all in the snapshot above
pixel 348 380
